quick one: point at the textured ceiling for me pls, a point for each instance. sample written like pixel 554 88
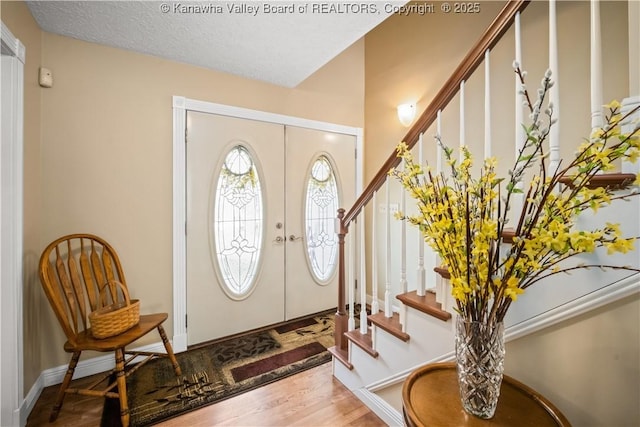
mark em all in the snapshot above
pixel 275 41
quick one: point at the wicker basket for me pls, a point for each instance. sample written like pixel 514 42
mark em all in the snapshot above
pixel 117 317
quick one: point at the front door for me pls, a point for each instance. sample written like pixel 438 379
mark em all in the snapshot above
pixel 320 179
pixel 261 203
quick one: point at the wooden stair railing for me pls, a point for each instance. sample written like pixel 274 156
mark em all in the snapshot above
pixel 469 64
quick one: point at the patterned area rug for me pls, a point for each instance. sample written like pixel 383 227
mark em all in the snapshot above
pixel 223 369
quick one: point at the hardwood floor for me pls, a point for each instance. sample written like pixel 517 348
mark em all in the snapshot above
pixel 310 398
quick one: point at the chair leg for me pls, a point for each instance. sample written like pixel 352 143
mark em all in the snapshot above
pixel 64 386
pixel 122 387
pixel 169 349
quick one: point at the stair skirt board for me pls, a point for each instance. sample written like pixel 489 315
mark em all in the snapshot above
pixel 368 393
pixel 385 411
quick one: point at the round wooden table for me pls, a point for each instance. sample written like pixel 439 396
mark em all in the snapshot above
pixel 430 397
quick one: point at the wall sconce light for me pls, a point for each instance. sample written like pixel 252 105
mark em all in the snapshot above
pixel 406 114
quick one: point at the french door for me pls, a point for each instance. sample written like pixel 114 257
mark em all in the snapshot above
pixel 261 202
pixel 320 177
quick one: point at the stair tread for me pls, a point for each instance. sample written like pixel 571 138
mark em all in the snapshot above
pixel 442 271
pixel 426 304
pixel 364 341
pixel 389 324
pixel 341 355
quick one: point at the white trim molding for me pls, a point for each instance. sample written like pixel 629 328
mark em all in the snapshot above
pixel 11 224
pixel 180 107
pixel 10 45
pixel 380 407
pixel 179 224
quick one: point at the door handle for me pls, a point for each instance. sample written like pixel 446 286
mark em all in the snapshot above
pixel 279 239
pixel 293 238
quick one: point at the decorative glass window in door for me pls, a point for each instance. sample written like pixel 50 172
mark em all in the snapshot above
pixel 321 206
pixel 238 222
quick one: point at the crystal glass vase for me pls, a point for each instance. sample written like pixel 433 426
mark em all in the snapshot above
pixel 480 365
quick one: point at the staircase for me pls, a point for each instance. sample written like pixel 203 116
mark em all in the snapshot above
pixel 411 320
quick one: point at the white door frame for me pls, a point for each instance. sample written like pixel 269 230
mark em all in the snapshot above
pixel 180 107
pixel 11 189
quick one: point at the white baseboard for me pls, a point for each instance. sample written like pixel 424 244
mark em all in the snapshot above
pixel 85 368
pixel 179 343
pixel 30 400
pixel 380 407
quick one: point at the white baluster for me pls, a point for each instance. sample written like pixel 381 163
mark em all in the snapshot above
pixel 363 275
pixel 438 148
pixel 375 307
pixel 403 253
pixel 462 124
pixel 420 287
pixel 518 198
pixel 554 96
pixel 352 258
pixel 388 312
pixel 445 297
pixel 596 67
pixel 431 277
pixel 403 239
pixel 487 105
pixel 440 153
pixel 519 98
pixel 628 104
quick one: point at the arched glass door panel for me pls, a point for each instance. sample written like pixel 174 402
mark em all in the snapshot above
pixel 238 225
pixel 321 206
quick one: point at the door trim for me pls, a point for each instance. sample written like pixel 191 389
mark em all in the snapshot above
pixel 11 240
pixel 180 107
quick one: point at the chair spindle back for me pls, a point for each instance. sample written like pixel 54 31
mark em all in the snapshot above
pixel 72 270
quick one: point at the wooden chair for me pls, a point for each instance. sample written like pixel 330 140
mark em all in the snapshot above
pixel 72 270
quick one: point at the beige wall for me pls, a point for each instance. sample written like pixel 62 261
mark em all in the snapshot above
pixel 587 366
pixel 408 58
pixel 17 18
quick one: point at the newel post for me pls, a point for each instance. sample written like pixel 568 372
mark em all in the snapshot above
pixel 341 315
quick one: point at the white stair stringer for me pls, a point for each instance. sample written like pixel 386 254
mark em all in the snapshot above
pixel 370 375
pixel 389 412
pixel 383 409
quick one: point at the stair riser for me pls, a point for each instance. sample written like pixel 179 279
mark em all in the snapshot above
pixel 430 339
